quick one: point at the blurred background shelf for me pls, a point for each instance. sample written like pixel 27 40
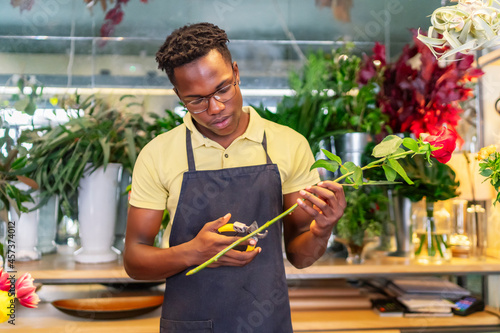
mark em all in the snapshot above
pixel 61 269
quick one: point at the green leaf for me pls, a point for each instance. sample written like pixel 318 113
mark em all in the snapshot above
pixel 126 96
pixel 399 169
pixel 21 104
pixel 486 172
pixel 388 146
pixel 390 173
pixel 411 144
pixel 348 167
pixel 106 149
pixel 332 156
pixel 30 108
pixel 328 165
pixel 357 176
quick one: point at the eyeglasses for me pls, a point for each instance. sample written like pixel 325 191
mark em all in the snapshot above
pixel 222 95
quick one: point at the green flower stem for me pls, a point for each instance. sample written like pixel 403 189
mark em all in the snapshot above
pixel 288 211
pixel 439 241
pixel 419 250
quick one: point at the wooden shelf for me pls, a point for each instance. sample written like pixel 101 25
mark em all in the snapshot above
pixel 60 269
pixel 328 267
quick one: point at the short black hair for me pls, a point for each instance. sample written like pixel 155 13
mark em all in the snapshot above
pixel 189 43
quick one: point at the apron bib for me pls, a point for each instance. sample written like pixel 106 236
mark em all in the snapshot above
pixel 253 298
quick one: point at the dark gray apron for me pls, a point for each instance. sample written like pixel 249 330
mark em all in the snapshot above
pixel 253 298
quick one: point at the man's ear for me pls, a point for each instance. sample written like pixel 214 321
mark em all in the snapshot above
pixel 236 72
pixel 176 92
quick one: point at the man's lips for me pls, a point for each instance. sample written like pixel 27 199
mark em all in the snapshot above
pixel 221 123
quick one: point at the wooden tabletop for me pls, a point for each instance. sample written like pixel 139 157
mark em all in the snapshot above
pixel 47 319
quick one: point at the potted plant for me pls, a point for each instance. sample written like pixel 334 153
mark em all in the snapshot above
pixel 64 159
pixel 329 98
pixel 363 220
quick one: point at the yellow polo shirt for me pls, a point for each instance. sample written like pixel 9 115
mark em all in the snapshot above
pixel 157 176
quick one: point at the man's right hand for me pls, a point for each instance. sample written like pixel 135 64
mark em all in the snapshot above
pixel 209 242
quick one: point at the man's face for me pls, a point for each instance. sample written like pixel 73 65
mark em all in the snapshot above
pixel 203 77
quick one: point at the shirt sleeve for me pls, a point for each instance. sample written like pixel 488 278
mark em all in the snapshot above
pixel 147 189
pixel 300 175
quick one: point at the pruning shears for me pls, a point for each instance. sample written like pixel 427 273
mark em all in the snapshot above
pixel 241 229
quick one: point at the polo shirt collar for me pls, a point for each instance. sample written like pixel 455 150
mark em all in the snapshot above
pixel 254 131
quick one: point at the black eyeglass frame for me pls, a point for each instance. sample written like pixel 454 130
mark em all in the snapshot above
pixel 214 95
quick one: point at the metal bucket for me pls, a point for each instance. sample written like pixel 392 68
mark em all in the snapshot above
pixel 351 146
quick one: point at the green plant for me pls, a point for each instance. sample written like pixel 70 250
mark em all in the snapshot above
pixel 328 98
pixel 104 134
pixel 30 91
pixel 364 216
pixel 10 195
pixel 489 167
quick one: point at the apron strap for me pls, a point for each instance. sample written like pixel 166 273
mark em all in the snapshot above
pixel 189 151
pixel 264 144
pixel 190 155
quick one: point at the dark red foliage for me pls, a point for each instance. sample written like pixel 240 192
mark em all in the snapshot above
pixel 115 15
pixel 421 95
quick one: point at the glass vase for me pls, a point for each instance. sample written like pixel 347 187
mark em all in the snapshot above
pixel 355 253
pixel 431 235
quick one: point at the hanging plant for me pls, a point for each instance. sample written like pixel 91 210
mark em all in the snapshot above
pixel 114 16
pixel 466 27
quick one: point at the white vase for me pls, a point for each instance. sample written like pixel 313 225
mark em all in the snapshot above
pixel 26 228
pixel 97 205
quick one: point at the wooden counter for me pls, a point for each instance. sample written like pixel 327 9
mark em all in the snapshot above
pixel 57 269
pixel 62 277
pixel 47 319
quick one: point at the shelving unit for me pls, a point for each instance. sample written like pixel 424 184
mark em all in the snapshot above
pixel 60 271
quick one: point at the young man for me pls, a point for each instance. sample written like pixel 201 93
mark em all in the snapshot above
pixel 224 164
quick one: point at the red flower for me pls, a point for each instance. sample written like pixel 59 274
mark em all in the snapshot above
pixel 446 139
pixel 25 291
pixel 4 281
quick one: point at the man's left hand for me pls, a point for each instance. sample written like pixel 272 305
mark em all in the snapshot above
pixel 326 205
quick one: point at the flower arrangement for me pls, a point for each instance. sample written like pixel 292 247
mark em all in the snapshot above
pixel 466 27
pixel 23 290
pixel 418 94
pixel 387 153
pixel 489 167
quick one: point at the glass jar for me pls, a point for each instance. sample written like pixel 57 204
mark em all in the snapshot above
pixel 431 233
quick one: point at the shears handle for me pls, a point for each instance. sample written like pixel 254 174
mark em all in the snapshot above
pixel 229 230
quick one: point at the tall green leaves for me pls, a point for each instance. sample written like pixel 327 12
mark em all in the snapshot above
pixel 60 155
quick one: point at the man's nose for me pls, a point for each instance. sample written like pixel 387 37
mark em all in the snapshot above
pixel 215 106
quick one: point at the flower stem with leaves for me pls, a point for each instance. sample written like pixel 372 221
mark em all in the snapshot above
pixel 388 152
